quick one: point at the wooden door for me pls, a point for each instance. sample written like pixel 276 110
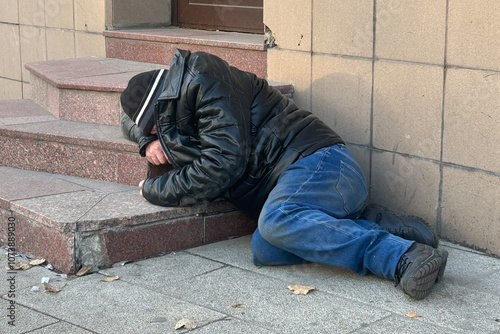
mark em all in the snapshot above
pixel 226 15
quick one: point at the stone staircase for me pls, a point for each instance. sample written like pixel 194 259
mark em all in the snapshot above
pixel 69 178
pixel 245 51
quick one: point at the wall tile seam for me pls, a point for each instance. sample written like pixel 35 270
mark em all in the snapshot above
pixel 439 210
pixel 85 32
pixel 372 98
pixel 10 79
pixel 439 162
pixel 376 59
pixel 65 29
pixel 59 29
pixel 311 44
pixel 10 23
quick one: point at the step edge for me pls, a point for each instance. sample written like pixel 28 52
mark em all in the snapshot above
pixel 8 131
pixel 148 36
pixel 70 84
pixel 162 215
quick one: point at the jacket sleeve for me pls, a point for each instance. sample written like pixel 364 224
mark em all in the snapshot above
pixel 132 132
pixel 221 124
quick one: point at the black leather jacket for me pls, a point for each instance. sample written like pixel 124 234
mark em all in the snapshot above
pixel 227 134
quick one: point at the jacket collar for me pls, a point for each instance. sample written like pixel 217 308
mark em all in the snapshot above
pixel 173 80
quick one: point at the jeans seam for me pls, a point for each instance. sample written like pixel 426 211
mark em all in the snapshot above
pixel 344 165
pixel 316 222
pixel 310 177
pixel 341 151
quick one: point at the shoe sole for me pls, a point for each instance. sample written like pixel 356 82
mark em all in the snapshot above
pixel 444 256
pixel 419 284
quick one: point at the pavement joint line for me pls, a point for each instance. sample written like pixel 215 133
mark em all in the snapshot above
pixel 41 312
pixel 211 271
pixel 63 178
pixel 105 194
pixel 207 258
pixel 468 250
pixel 7 126
pixel 58 322
pixel 47 195
pixel 179 297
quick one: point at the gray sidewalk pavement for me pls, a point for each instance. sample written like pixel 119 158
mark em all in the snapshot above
pixel 221 291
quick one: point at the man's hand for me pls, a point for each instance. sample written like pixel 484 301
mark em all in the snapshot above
pixel 155 154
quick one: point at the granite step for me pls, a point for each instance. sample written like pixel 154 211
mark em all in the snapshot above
pixel 83 89
pixel 88 89
pixel 72 221
pixel 245 51
pixel 33 139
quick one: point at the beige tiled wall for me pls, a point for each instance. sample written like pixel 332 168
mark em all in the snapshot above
pixel 414 88
pixel 37 30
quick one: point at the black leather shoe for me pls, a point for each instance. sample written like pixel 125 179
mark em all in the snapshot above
pixel 407 227
pixel 418 269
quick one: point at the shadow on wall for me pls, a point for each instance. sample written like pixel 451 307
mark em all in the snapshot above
pixel 405 183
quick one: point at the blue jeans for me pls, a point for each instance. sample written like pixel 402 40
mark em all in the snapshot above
pixel 310 216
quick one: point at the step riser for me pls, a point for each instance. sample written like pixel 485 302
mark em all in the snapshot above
pixel 36 240
pixel 68 251
pixel 69 93
pixel 76 105
pixel 162 53
pixel 81 161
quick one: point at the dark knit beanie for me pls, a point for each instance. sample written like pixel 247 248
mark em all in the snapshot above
pixel 139 98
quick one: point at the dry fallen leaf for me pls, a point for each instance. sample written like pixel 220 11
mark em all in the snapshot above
pixel 84 270
pixel 18 265
pixel 110 278
pixel 49 288
pixel 413 315
pixel 300 289
pixel 37 262
pixel 185 323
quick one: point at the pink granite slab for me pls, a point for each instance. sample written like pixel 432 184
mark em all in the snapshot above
pixel 59 158
pixel 22 112
pixel 73 133
pixel 22 184
pixel 101 74
pixel 70 220
pixel 161 53
pixel 88 106
pixel 175 35
pixel 150 240
pixel 227 225
pixel 40 241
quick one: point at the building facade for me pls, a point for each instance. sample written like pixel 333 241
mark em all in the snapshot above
pixel 412 86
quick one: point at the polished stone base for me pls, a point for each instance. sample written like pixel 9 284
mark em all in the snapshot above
pixel 73 221
pixel 245 51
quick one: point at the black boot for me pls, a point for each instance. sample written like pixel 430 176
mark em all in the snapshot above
pixel 410 228
pixel 419 268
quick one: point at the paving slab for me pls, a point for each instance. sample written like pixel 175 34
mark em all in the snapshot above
pixel 466 301
pixel 157 272
pixel 403 324
pixel 219 288
pixel 231 326
pixel 61 327
pixel 264 300
pixel 23 278
pixel 26 319
pixel 116 307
